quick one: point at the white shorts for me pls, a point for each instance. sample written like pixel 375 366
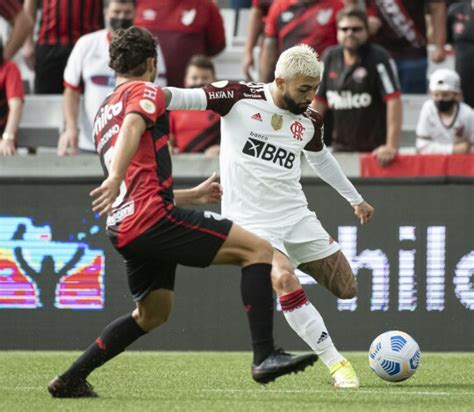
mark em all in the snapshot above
pixel 304 241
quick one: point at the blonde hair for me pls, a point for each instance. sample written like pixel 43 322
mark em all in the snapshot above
pixel 300 60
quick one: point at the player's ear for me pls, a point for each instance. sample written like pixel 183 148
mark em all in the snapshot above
pixel 280 82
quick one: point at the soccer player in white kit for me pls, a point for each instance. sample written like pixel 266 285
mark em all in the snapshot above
pixel 264 130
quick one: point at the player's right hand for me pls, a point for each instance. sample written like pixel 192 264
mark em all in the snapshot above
pixel 364 212
pixel 105 195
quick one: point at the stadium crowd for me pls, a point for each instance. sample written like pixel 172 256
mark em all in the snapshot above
pixel 373 52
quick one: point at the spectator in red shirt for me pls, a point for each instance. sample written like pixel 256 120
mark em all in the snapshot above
pixel 184 28
pixel 290 22
pixel 11 103
pixel 62 23
pixel 22 25
pixel 194 131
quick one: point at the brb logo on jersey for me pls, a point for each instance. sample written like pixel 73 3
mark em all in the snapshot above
pixel 297 129
pixel 268 152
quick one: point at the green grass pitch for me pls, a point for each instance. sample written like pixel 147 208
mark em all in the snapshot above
pixel 211 381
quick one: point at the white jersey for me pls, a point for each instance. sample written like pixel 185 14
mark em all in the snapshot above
pixel 433 136
pixel 88 69
pixel 260 156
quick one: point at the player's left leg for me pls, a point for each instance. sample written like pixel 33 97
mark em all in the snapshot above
pixel 334 273
pixel 306 320
pixel 312 250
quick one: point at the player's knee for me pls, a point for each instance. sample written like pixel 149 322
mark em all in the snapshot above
pixel 262 251
pixel 284 281
pixel 149 320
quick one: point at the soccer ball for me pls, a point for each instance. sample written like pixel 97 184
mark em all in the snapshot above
pixel 394 356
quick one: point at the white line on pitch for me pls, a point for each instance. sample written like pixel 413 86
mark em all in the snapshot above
pixel 397 392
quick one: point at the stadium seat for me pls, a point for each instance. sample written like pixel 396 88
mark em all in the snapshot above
pixel 41 122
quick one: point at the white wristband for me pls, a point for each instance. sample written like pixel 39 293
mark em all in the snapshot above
pixel 8 136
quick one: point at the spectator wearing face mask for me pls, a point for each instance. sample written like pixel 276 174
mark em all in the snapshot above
pixel 196 131
pixel 88 73
pixel 446 123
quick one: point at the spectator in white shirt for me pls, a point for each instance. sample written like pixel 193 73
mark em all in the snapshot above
pixel 446 123
pixel 88 73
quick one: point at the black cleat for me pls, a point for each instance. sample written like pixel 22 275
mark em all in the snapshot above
pixel 280 363
pixel 59 388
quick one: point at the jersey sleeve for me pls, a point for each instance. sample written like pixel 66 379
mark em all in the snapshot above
pixel 14 83
pixel 221 96
pixel 147 100
pixel 73 71
pixel 215 32
pixel 387 78
pixel 316 144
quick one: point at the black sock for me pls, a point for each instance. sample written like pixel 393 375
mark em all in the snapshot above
pixel 113 340
pixel 257 296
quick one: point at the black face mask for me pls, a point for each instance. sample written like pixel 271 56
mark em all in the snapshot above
pixel 116 23
pixel 445 106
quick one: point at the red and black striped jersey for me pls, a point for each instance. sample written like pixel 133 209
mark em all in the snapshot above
pixel 64 21
pixel 194 131
pixel 295 21
pixel 9 9
pixel 146 194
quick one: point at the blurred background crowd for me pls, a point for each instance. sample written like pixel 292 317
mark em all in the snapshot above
pixel 396 72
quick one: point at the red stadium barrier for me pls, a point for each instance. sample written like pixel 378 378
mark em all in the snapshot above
pixel 419 166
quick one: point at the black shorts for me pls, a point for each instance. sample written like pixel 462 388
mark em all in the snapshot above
pixel 49 68
pixel 185 237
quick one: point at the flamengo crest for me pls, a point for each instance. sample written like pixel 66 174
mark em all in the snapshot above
pixel 297 129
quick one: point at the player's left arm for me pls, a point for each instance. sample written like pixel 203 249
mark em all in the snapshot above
pixel 209 191
pixel 327 168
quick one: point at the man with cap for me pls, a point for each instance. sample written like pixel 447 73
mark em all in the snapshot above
pixel 446 123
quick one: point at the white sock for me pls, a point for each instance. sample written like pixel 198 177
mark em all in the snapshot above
pixel 306 321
